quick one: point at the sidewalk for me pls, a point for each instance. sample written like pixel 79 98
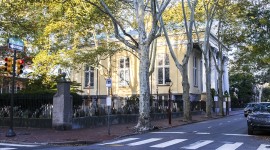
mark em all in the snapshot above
pixel 89 135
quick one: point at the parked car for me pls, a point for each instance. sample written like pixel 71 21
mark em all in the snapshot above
pixel 248 109
pixel 259 119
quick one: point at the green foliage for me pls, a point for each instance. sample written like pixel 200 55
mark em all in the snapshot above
pixel 213 93
pixel 266 94
pixel 94 56
pixel 56 34
pixel 250 37
pixel 37 86
pixel 242 85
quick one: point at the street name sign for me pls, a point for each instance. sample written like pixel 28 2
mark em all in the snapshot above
pixel 15 44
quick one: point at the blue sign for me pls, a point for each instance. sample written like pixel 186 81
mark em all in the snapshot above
pixel 15 44
pixel 109 82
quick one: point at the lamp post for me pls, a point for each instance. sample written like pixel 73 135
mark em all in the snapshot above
pixel 169 82
pixel 157 102
pixel 226 94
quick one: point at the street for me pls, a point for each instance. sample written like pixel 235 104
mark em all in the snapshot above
pixel 227 133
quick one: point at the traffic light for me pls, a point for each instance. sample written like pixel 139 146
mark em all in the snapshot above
pixel 2 68
pixel 8 64
pixel 19 66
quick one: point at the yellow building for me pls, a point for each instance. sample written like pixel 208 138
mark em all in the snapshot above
pixel 125 80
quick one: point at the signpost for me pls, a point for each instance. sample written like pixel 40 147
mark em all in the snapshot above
pixel 109 101
pixel 14 44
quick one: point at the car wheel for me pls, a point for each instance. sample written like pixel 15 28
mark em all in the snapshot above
pixel 250 130
pixel 246 115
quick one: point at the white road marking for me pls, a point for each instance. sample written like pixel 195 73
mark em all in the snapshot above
pixel 144 141
pixel 18 145
pixel 209 127
pixel 170 132
pixel 7 148
pixel 120 141
pixel 230 146
pixel 264 147
pixel 237 134
pixel 168 143
pixel 198 144
pixel 202 133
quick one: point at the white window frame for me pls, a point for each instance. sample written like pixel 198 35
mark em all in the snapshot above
pixel 124 72
pixel 195 71
pixel 89 76
pixel 163 67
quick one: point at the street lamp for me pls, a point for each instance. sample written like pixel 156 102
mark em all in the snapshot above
pixel 226 94
pixel 157 102
pixel 169 82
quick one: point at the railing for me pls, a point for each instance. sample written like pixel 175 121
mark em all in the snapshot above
pixel 40 106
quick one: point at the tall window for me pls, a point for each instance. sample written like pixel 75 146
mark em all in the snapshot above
pixel 88 77
pixel 163 66
pixel 195 71
pixel 124 72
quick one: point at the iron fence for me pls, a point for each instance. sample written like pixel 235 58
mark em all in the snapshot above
pixel 40 106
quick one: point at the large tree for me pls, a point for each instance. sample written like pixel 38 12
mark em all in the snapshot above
pixel 183 66
pixel 250 37
pixel 145 35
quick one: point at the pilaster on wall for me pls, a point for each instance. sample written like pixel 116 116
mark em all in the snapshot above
pixel 62 107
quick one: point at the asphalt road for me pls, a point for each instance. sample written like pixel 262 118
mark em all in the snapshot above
pixel 227 133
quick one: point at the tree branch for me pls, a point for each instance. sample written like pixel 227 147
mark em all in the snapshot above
pixel 116 25
pixel 178 65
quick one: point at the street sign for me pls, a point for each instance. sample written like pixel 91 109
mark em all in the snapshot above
pixel 109 82
pixel 108 101
pixel 215 98
pixel 15 44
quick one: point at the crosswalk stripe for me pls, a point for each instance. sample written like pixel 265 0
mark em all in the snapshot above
pixel 202 133
pixel 168 143
pixel 18 145
pixel 170 132
pixel 237 134
pixel 230 146
pixel 264 147
pixel 144 141
pixel 120 141
pixel 198 144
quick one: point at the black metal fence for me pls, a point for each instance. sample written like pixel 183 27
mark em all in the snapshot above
pixel 40 106
pixel 31 105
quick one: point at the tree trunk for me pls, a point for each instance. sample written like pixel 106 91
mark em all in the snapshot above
pixel 220 92
pixel 208 87
pixel 144 107
pixel 186 98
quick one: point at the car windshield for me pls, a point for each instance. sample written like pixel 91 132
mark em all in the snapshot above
pixel 262 107
pixel 250 105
